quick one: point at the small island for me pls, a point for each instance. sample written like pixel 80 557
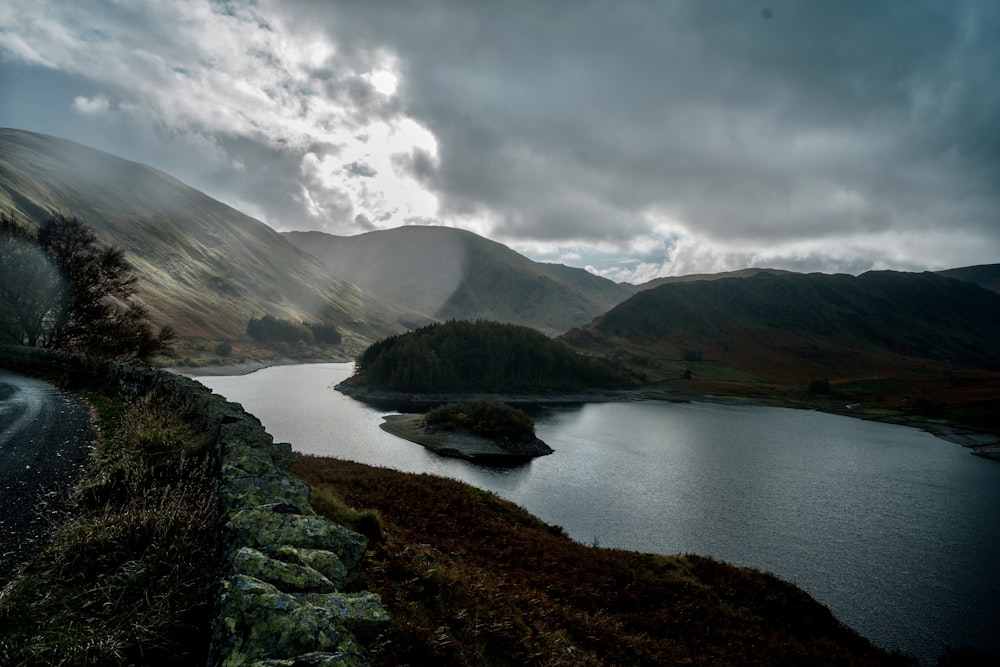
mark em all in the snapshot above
pixel 461 359
pixel 483 431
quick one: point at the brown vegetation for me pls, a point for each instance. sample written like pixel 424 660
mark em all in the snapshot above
pixel 917 345
pixel 470 579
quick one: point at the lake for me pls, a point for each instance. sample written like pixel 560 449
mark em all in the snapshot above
pixel 895 530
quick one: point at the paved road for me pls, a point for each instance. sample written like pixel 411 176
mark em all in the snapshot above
pixel 45 436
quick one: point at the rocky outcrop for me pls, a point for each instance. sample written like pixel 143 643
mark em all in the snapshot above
pixel 463 444
pixel 283 569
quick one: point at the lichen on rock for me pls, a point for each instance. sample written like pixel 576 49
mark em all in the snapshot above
pixel 241 489
pixel 316 659
pixel 273 525
pixel 286 577
pixel 259 623
pixel 361 613
pixel 323 561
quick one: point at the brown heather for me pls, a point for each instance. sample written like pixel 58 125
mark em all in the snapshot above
pixel 470 579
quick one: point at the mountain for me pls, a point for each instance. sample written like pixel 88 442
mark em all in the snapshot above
pixel 789 329
pixel 204 267
pixel 694 277
pixel 984 275
pixel 449 273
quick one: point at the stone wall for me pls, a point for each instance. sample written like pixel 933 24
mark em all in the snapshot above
pixel 282 568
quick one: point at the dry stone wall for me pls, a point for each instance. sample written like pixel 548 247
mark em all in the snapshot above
pixel 283 569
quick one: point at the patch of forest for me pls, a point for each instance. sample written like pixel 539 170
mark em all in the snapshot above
pixel 479 356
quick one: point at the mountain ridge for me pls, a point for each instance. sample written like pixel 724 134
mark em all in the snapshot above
pixel 909 343
pixel 203 266
pixel 450 273
pixel 206 268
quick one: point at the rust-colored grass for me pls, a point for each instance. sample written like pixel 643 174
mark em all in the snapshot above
pixel 470 579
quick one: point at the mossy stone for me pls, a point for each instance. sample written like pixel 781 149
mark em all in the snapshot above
pixel 286 577
pixel 272 526
pixel 240 489
pixel 325 562
pixel 259 623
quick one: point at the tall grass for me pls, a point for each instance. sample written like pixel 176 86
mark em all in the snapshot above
pixel 127 578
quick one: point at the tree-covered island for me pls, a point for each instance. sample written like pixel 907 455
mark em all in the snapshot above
pixel 472 362
pixel 482 357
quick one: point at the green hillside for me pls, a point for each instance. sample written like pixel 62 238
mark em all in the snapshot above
pixel 204 267
pixel 914 345
pixel 695 277
pixel 907 315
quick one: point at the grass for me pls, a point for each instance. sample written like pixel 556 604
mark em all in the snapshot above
pixel 470 579
pixel 412 428
pixel 128 578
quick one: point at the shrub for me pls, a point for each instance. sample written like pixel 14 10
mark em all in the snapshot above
pixel 325 333
pixel 490 419
pixel 270 329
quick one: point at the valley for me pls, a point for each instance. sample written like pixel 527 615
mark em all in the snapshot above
pixel 913 347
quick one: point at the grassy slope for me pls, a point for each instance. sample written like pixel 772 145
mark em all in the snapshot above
pixel 984 275
pixel 204 267
pixel 470 579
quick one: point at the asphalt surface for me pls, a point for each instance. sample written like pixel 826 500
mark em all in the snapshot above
pixel 45 438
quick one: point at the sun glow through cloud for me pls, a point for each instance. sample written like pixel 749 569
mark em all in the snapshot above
pixel 714 141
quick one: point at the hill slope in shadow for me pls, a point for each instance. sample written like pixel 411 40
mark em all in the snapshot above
pixel 895 339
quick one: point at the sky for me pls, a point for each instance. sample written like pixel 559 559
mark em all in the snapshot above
pixel 635 139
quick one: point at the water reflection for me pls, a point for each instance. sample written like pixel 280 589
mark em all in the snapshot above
pixel 895 530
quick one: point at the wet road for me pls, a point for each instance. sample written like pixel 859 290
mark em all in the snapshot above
pixel 45 437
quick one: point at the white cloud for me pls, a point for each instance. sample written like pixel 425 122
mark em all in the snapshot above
pixel 91 105
pixel 238 71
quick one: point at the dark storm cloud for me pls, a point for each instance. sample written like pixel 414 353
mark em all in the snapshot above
pixel 573 120
pixel 643 137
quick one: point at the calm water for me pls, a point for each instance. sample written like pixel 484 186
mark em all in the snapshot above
pixel 897 531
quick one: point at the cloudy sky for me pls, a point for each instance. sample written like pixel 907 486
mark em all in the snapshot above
pixel 637 139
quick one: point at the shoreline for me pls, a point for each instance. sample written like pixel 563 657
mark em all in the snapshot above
pixel 247 366
pixel 979 443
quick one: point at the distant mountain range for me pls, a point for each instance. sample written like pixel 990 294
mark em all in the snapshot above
pixel 206 269
pixel 448 273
